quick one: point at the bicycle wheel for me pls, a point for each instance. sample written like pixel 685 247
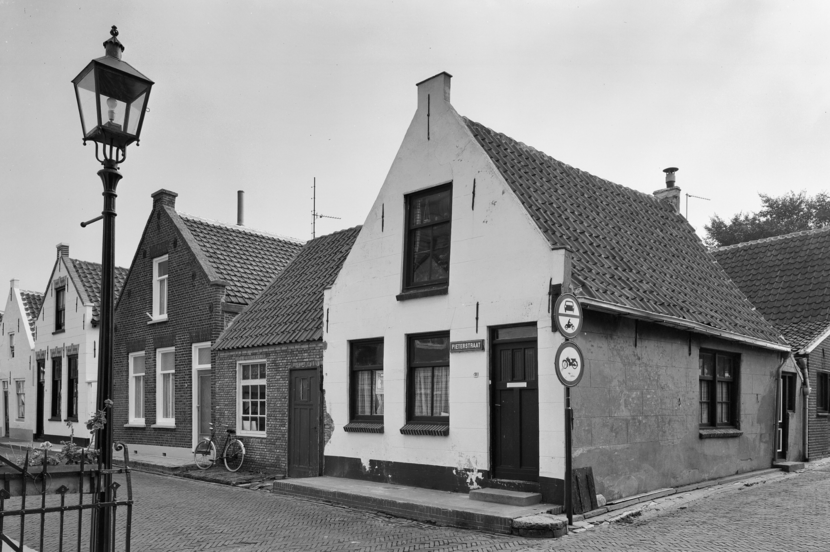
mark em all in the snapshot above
pixel 205 454
pixel 234 455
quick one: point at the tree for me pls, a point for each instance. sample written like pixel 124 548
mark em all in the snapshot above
pixel 791 212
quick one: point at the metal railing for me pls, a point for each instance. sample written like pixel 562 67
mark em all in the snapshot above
pixel 17 526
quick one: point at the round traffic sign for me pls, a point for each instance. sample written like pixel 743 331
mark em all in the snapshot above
pixel 567 315
pixel 570 364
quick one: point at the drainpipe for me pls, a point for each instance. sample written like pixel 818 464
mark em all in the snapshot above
pixel 803 364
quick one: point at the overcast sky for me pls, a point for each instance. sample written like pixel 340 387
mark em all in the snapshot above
pixel 265 96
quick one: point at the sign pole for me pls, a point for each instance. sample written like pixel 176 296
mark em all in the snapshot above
pixel 568 475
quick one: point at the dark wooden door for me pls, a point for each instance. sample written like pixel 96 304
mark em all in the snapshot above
pixel 304 423
pixel 787 405
pixel 515 411
pixel 41 374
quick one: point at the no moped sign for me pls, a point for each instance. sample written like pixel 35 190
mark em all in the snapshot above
pixel 570 364
pixel 567 316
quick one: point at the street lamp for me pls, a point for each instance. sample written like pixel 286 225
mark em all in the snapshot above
pixel 112 99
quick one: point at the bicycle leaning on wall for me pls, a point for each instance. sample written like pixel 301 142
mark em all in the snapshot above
pixel 233 453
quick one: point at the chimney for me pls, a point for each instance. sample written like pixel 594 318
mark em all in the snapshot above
pixel 433 98
pixel 14 283
pixel 670 194
pixel 240 208
pixel 63 250
pixel 164 197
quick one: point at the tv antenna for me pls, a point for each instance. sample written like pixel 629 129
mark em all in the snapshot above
pixel 687 202
pixel 314 214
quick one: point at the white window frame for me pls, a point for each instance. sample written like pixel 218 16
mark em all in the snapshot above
pixel 160 420
pixel 132 417
pixel 261 381
pixel 11 344
pixel 18 385
pixel 158 316
pixel 194 351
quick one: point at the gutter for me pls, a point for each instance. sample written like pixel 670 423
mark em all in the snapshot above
pixel 681 323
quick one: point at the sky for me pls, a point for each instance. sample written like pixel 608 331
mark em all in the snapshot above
pixel 266 96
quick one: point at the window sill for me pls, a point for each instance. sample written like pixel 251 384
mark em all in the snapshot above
pixel 418 293
pixel 363 427
pixel 141 425
pixel 58 332
pixel 251 434
pixel 157 321
pixel 822 414
pixel 725 433
pixel 73 420
pixel 426 428
pixel 163 426
pixel 55 420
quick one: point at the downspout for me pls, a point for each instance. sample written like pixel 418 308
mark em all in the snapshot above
pixel 803 364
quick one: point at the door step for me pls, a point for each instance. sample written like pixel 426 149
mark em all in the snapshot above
pixel 788 466
pixel 511 485
pixel 501 496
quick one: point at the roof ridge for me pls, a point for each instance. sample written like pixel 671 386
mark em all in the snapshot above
pixel 773 238
pixel 31 292
pixel 571 167
pixel 96 264
pixel 240 228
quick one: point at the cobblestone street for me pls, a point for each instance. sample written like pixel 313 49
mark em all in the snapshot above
pixel 784 513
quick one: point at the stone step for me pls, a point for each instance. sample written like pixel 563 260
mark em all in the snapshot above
pixel 789 466
pixel 501 496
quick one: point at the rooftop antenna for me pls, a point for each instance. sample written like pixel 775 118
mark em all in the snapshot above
pixel 687 202
pixel 314 214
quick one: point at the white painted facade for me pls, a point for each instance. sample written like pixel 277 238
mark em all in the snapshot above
pixel 17 364
pixel 55 343
pixel 499 260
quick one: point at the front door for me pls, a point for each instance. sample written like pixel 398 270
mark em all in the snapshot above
pixel 304 423
pixel 203 406
pixel 41 375
pixel 786 405
pixel 515 405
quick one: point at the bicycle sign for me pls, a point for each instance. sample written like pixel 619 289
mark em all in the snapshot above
pixel 570 364
pixel 567 316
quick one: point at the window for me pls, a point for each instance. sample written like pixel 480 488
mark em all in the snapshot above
pixel 718 389
pixel 57 380
pixel 166 386
pixel 60 309
pixel 11 343
pixel 823 392
pixel 72 392
pixel 429 378
pixel 788 391
pixel 137 369
pixel 160 288
pixel 427 258
pixel 367 380
pixel 252 398
pixel 20 387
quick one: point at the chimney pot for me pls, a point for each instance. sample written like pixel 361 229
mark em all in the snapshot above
pixel 240 208
pixel 63 250
pixel 670 178
pixel 670 194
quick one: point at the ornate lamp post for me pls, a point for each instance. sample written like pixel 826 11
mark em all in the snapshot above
pixel 112 99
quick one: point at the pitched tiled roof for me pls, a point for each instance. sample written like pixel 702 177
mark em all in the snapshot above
pixel 246 259
pixel 629 250
pixel 788 278
pixel 32 300
pixel 290 310
pixel 89 276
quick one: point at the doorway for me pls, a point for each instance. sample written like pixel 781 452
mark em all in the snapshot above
pixel 786 407
pixel 41 382
pixel 304 423
pixel 6 408
pixel 514 404
pixel 203 403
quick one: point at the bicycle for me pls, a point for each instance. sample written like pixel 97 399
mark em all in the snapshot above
pixel 233 453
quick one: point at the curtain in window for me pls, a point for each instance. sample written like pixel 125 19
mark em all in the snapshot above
pixel 378 393
pixel 423 390
pixel 441 404
pixel 21 399
pixel 138 398
pixel 364 393
pixel 167 410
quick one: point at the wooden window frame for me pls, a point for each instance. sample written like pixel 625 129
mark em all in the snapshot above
pixel 160 419
pixel 60 309
pixel 133 419
pixel 410 380
pixel 239 389
pixel 734 399
pixel 57 384
pixel 72 388
pixel 408 283
pixel 353 380
pixel 822 393
pixel 20 391
pixel 158 316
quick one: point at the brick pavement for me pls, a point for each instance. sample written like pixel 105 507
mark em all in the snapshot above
pixel 784 513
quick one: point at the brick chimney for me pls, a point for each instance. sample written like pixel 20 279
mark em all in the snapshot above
pixel 670 194
pixel 164 197
pixel 63 250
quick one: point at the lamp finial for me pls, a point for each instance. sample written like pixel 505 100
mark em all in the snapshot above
pixel 112 45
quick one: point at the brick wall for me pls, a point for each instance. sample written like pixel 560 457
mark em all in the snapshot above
pixel 819 425
pixel 194 315
pixel 270 452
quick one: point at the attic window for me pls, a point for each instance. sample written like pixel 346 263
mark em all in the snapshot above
pixel 160 269
pixel 60 309
pixel 428 220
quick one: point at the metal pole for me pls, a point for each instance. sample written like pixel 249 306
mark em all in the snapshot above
pixel 569 416
pixel 110 177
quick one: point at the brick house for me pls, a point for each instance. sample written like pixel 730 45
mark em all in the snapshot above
pixel 18 376
pixel 275 346
pixel 66 343
pixel 188 279
pixel 439 365
pixel 788 279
